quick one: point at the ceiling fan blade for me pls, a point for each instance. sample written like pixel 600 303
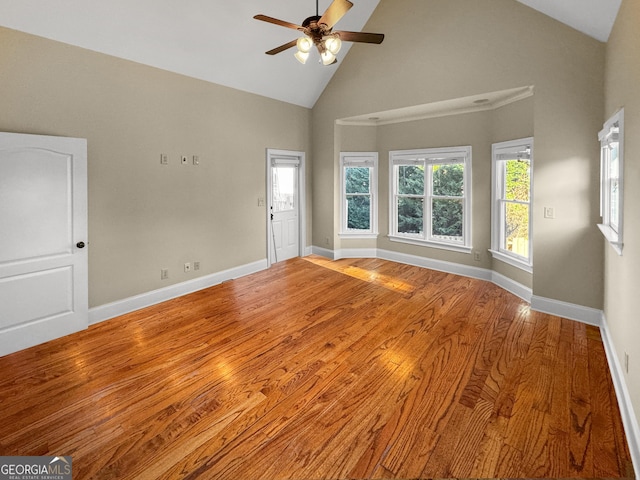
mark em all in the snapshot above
pixel 362 37
pixel 335 12
pixel 282 48
pixel 282 23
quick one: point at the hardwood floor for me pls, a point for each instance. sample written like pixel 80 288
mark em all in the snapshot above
pixel 322 370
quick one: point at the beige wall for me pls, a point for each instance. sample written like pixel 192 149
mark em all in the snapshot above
pixel 622 273
pixel 144 216
pixel 435 50
pixel 459 130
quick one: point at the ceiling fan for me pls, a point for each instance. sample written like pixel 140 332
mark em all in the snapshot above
pixel 318 31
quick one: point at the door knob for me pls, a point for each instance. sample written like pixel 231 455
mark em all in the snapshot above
pixel 80 244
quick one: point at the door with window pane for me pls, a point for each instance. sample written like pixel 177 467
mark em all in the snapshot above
pixel 284 210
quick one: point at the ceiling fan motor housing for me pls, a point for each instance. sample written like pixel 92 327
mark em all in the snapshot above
pixel 316 31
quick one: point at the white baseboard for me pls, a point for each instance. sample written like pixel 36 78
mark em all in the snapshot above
pixel 519 290
pixel 590 316
pixel 629 419
pixel 439 265
pixel 323 252
pixel 120 307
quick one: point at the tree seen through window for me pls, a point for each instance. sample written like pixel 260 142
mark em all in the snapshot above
pixel 358 194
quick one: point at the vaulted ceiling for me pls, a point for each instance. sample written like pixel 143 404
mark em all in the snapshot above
pixel 219 41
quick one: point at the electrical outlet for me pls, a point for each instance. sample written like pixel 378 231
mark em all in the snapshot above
pixel 196 265
pixel 477 256
pixel 196 160
pixel 164 274
pixel 326 240
pixel 164 159
pixel 187 267
pixel 183 159
pixel 261 201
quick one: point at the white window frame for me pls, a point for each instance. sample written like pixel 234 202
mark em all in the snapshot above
pixel 611 133
pixel 359 160
pixel 500 154
pixel 427 157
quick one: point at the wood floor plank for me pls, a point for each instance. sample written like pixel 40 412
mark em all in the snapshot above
pixel 560 361
pixel 490 448
pixel 603 431
pixel 503 380
pixel 580 440
pixel 528 426
pixel 320 369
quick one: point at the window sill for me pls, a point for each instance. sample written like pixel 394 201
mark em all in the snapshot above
pixel 426 243
pixel 358 235
pixel 612 237
pixel 514 262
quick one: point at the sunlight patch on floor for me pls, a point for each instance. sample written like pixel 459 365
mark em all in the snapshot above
pixel 392 283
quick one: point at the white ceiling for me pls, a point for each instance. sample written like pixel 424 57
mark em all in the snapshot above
pixel 593 17
pixel 219 41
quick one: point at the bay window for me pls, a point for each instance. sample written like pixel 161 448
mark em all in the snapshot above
pixel 611 175
pixel 431 197
pixel 511 215
pixel 359 177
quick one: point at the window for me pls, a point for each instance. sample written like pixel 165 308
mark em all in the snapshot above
pixel 359 181
pixel 511 225
pixel 611 171
pixel 284 187
pixel 431 197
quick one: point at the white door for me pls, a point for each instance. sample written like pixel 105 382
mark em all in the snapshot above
pixel 43 236
pixel 284 208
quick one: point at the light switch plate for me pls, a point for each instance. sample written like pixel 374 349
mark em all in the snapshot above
pixel 549 212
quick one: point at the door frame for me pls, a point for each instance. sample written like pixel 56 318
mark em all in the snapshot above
pixel 273 153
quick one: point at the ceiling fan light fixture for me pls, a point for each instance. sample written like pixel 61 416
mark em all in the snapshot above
pixel 327 57
pixel 333 44
pixel 304 44
pixel 318 32
pixel 302 57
